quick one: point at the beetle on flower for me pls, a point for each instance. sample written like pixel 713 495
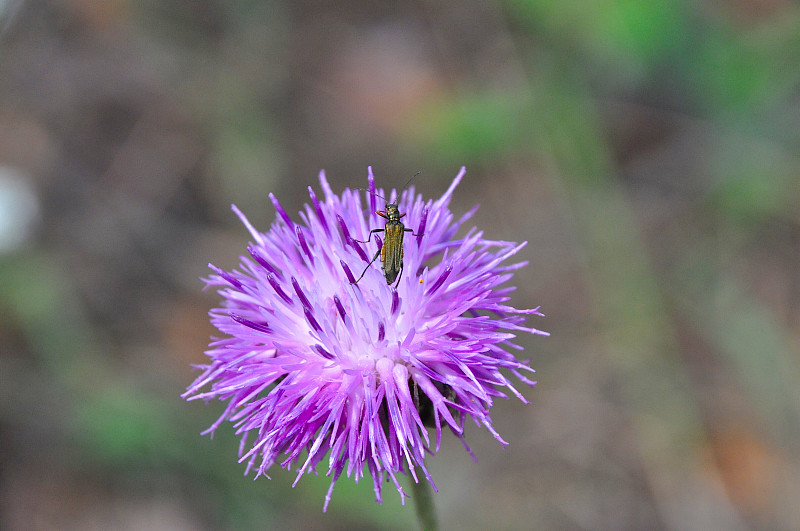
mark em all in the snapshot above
pixel 312 364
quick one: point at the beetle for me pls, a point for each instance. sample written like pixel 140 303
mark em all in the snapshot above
pixel 391 252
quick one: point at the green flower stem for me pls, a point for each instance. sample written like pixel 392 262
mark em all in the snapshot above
pixel 423 498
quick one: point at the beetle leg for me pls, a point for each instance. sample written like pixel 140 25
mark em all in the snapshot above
pixel 369 264
pixel 369 237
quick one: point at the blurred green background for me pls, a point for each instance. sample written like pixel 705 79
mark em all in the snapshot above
pixel 648 151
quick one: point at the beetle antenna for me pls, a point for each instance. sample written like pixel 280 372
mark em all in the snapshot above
pixel 411 179
pixel 403 188
pixel 373 193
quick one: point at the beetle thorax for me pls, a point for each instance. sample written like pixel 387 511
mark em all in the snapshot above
pixel 392 212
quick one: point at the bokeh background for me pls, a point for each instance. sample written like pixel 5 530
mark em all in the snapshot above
pixel 648 151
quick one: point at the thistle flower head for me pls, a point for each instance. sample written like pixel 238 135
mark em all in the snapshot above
pixel 313 364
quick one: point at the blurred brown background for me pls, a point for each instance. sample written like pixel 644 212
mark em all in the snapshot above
pixel 648 151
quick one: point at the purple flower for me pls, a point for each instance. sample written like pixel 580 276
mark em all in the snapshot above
pixel 314 365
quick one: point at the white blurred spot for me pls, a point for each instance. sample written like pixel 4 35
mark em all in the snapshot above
pixel 19 209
